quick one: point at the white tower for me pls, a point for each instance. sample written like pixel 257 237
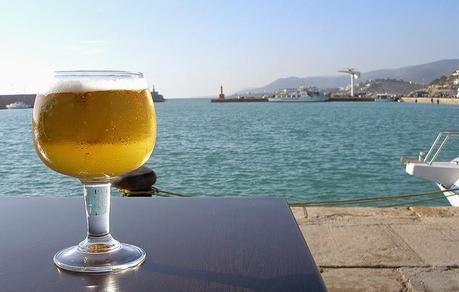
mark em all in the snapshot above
pixel 354 75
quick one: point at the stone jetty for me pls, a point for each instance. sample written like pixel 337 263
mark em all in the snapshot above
pixel 384 249
pixel 430 100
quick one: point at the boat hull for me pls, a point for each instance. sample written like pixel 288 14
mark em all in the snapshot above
pixel 17 107
pixel 451 196
pixel 384 100
pixel 444 174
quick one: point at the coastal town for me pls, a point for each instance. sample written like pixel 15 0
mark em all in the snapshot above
pixel 444 89
pixel 447 86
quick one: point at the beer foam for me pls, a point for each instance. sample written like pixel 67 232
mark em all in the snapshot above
pixel 85 84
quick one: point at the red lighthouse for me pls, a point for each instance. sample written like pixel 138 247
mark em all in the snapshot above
pixel 222 95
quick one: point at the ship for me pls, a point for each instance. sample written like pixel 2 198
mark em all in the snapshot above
pixel 17 105
pixel 156 96
pixel 300 94
pixel 384 97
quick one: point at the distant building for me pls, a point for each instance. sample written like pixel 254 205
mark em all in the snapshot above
pixel 456 81
pixel 445 86
pixel 419 93
pixel 441 91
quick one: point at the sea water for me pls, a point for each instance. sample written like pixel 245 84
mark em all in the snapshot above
pixel 299 151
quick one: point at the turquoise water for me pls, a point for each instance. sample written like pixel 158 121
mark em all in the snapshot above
pixel 303 152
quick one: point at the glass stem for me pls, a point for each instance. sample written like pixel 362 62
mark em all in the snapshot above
pixel 97 202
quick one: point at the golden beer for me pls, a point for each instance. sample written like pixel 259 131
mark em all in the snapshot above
pixel 94 135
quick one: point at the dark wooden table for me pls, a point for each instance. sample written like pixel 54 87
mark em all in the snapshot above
pixel 199 244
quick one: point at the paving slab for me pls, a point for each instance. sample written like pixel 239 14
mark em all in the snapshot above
pixel 384 249
pixel 432 279
pixel 344 280
pixel 436 244
pixel 358 216
pixel 438 215
pixel 358 246
pixel 298 212
pixel 442 212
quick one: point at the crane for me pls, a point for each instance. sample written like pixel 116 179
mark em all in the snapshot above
pixel 354 75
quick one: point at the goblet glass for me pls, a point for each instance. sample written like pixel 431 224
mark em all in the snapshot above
pixel 95 126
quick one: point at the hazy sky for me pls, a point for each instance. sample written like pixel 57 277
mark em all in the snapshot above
pixel 189 48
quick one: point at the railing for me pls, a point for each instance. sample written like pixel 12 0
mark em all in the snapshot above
pixel 438 145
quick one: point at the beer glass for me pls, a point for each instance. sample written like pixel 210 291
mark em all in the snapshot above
pixel 94 126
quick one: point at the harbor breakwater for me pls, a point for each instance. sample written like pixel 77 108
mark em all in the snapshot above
pixel 431 100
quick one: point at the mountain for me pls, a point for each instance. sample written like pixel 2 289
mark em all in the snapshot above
pixel 423 74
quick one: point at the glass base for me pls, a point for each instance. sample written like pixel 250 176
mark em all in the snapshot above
pixel 90 258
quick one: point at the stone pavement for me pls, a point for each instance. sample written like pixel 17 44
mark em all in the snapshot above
pixel 384 249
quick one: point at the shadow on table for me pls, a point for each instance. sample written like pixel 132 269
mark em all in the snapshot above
pixel 295 282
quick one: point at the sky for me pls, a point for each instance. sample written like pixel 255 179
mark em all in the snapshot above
pixel 189 48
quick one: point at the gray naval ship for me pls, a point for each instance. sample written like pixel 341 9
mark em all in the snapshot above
pixel 156 96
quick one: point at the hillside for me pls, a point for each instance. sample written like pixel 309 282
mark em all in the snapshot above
pixel 423 74
pixel 387 86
